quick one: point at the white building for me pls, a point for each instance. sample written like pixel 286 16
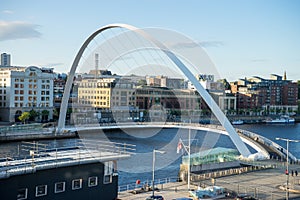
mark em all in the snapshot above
pixel 5 59
pixel 23 89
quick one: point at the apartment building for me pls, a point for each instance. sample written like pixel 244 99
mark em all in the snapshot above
pixel 274 95
pixel 24 89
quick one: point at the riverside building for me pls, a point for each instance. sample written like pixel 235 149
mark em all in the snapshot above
pixel 24 89
pixel 105 98
pixel 275 95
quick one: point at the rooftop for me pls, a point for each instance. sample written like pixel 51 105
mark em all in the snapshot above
pixel 40 157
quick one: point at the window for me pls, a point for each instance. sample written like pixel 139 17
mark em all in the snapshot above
pixel 40 190
pixel 93 181
pixel 59 187
pixel 76 184
pixel 22 194
pixel 108 171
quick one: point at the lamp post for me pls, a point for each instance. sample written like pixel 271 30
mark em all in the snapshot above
pixel 153 167
pixel 287 163
pixel 188 151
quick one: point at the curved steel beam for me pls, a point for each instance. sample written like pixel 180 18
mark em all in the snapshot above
pixel 204 94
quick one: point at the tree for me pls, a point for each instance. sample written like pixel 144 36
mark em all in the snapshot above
pixel 45 114
pixel 33 114
pixel 55 114
pixel 24 117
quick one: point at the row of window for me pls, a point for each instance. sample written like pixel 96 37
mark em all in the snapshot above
pixel 95 97
pixel 35 86
pixel 91 85
pixel 30 104
pixel 93 92
pixel 30 98
pixel 96 103
pixel 3 104
pixel 42 190
pixel 31 80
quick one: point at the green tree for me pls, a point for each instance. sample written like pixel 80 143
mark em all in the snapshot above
pixel 24 117
pixel 45 114
pixel 33 114
pixel 55 114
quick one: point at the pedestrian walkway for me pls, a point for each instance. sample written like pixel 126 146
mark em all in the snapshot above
pixel 262 184
pixel 168 191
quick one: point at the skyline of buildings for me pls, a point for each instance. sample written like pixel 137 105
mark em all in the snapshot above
pixel 116 97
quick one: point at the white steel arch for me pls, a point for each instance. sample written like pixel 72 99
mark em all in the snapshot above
pixel 204 94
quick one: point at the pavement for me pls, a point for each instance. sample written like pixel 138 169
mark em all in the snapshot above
pixel 168 191
pixel 263 184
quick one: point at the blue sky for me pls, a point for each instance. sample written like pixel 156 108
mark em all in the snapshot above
pixel 243 38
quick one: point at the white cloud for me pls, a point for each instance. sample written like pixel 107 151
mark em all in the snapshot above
pixel 211 43
pixel 7 12
pixel 13 30
pixel 197 44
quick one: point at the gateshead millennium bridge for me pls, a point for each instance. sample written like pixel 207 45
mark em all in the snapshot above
pixel 238 139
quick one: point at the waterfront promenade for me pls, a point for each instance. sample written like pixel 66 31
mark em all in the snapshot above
pixel 262 184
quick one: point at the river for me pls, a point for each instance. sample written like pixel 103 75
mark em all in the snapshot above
pixel 139 166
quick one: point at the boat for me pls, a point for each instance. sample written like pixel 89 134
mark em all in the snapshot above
pixel 284 119
pixel 73 172
pixel 237 122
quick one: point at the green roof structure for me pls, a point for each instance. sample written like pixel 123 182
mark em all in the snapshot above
pixel 215 155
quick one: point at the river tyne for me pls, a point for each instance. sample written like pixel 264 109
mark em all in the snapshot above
pixel 139 165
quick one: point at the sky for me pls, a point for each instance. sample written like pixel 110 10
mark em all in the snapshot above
pixel 242 38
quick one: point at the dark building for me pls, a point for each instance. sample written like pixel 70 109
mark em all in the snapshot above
pixel 63 174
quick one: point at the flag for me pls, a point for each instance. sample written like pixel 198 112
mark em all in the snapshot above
pixel 179 146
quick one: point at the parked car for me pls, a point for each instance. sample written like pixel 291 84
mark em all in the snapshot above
pixel 155 197
pixel 183 198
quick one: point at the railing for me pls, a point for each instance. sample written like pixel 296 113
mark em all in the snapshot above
pixel 84 151
pixel 228 172
pixel 17 128
pixel 146 185
pixel 269 143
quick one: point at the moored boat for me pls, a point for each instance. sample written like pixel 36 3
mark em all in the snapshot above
pixel 282 120
pixel 237 122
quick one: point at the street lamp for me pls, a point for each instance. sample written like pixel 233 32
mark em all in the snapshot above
pixel 188 150
pixel 153 167
pixel 287 163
